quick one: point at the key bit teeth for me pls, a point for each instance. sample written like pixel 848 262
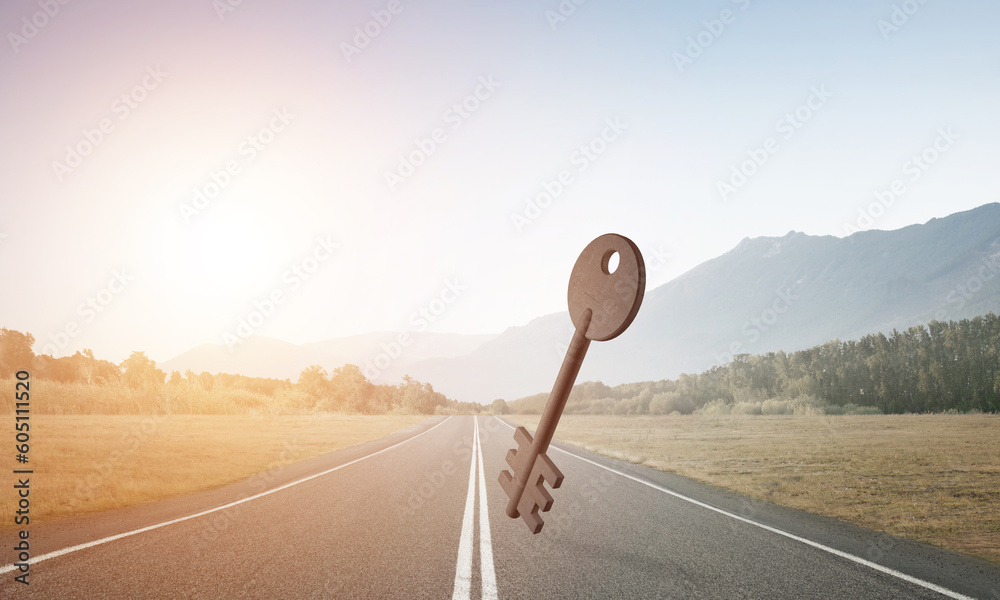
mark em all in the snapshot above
pixel 512 458
pixel 532 519
pixel 543 498
pixel 506 481
pixel 536 488
pixel 522 437
pixel 548 469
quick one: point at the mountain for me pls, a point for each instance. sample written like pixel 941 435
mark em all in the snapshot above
pixel 766 294
pixel 257 356
pixel 260 356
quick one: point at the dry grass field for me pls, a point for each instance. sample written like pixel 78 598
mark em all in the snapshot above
pixel 932 478
pixel 86 463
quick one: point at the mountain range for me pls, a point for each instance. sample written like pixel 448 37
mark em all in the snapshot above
pixel 766 294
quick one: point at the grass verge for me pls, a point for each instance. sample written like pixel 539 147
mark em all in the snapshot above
pixel 86 463
pixel 931 478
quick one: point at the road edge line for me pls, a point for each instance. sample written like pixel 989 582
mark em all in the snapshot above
pixel 112 538
pixel 845 555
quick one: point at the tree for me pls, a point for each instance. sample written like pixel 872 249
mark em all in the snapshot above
pixel 15 351
pixel 206 380
pixel 138 370
pixel 95 370
pixel 420 398
pixel 313 381
pixel 500 407
pixel 65 369
pixel 353 391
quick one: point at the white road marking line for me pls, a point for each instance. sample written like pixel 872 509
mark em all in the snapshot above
pixel 57 553
pixel 485 539
pixel 857 559
pixel 463 569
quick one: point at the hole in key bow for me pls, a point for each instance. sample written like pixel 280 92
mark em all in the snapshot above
pixel 609 264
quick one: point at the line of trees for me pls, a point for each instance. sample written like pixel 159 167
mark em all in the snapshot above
pixel 16 353
pixel 938 367
pixel 345 390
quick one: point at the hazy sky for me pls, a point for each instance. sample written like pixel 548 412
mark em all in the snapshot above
pixel 358 178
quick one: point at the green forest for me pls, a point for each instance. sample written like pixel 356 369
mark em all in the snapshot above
pixel 83 384
pixel 949 366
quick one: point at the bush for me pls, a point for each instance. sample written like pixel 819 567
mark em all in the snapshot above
pixel 854 409
pixel 808 405
pixel 776 407
pixel 665 403
pixel 715 407
pixel 746 408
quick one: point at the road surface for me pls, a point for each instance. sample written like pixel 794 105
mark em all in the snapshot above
pixel 420 514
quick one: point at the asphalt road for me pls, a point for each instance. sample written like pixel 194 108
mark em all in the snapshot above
pixel 402 517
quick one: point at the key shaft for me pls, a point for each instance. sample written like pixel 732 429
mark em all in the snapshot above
pixel 553 410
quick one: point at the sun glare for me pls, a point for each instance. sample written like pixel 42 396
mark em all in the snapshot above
pixel 218 258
